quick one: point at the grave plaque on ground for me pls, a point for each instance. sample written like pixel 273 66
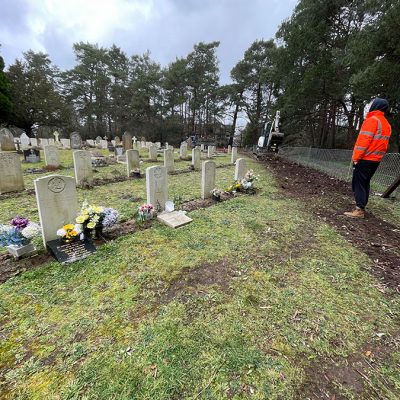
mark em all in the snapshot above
pixel 196 159
pixel 169 160
pixel 10 173
pixel 152 152
pixel 240 169
pixel 157 187
pixel 174 219
pixel 25 141
pixel 207 178
pixel 6 140
pixel 83 167
pixel 132 162
pixel 127 141
pixel 51 156
pixel 234 155
pixel 57 204
pixel 76 140
pixel 32 156
pixel 69 252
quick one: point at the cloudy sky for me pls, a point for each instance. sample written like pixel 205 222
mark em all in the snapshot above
pixel 168 28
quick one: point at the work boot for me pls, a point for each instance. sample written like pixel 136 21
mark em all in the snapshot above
pixel 357 213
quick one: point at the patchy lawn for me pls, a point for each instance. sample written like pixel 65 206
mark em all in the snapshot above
pixel 257 298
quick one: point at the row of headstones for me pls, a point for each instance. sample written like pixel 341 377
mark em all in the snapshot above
pixel 57 202
pixel 11 178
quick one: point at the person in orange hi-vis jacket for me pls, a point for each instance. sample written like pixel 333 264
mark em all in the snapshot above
pixel 371 145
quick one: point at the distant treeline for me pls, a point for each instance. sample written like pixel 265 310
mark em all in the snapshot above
pixel 325 64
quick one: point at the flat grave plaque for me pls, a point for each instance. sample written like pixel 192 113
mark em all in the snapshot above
pixel 70 252
pixel 174 219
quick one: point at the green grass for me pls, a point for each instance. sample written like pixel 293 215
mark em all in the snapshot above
pixel 294 293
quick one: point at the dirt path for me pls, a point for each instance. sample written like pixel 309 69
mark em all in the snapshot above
pixel 327 198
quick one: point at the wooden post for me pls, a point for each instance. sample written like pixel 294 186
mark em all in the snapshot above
pixel 391 188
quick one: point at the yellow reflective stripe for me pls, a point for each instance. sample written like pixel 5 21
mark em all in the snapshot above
pixel 367 133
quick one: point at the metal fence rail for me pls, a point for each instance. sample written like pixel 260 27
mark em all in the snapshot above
pixel 337 163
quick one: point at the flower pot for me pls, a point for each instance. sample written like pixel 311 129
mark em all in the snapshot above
pixel 21 251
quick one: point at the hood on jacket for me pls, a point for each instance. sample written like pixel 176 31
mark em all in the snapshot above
pixel 379 105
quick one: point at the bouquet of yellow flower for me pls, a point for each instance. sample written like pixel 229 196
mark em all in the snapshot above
pixel 69 232
pixel 90 216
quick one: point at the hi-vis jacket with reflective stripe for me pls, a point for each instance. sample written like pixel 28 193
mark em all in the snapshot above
pixel 373 139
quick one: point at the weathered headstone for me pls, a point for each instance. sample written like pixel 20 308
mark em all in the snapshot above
pixel 229 149
pixel 57 204
pixel 51 155
pixel 10 173
pixel 90 142
pixel 183 150
pixel 76 140
pixel 6 140
pixel 207 178
pixel 56 136
pixel 234 155
pixel 157 186
pixel 25 141
pixel 32 155
pixel 132 161
pixel 34 142
pixel 119 151
pixel 169 160
pixel 152 153
pixel 127 141
pixel 117 140
pixel 240 169
pixel 98 139
pixel 83 167
pixel 104 144
pixel 196 162
pixel 209 151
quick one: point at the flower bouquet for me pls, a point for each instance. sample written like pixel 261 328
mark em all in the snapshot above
pixel 17 236
pixel 145 212
pixel 70 233
pixel 247 182
pixel 94 219
pixel 216 194
pixel 235 187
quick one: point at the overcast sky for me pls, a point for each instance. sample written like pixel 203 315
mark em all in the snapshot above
pixel 168 28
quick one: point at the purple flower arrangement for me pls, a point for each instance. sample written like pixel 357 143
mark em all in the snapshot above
pixel 20 232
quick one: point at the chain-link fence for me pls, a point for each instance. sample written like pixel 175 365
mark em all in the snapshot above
pixel 337 163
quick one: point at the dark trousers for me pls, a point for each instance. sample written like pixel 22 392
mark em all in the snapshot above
pixel 363 171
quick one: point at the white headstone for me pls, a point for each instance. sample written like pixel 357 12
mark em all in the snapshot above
pixel 234 155
pixel 207 178
pixel 169 160
pixel 157 186
pixel 51 155
pixel 183 150
pixel 210 151
pixel 25 141
pixel 6 140
pixel 202 147
pixel 56 135
pixel 83 166
pixel 104 144
pixel 240 169
pixel 98 138
pixel 196 162
pixel 57 204
pixel 11 179
pixel 90 142
pixel 34 142
pixel 229 149
pixel 152 152
pixel 132 161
